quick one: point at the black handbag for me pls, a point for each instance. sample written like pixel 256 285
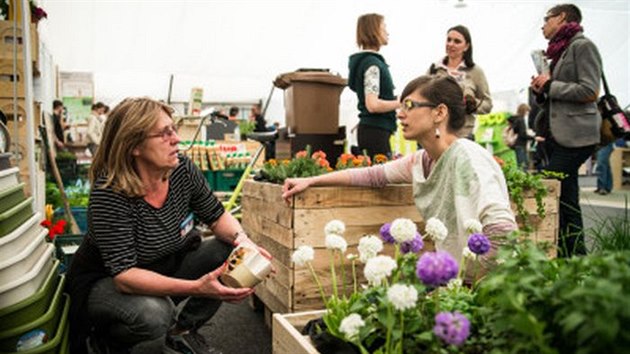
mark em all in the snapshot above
pixel 615 122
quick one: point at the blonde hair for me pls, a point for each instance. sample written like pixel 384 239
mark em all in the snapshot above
pixel 369 31
pixel 125 129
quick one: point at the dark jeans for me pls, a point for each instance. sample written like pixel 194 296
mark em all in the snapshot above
pixel 139 323
pixel 568 161
pixel 374 140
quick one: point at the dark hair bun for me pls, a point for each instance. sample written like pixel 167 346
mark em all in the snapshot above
pixel 470 104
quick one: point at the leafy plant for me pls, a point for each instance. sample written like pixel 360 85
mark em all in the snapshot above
pixel 610 233
pixel 519 181
pixel 246 126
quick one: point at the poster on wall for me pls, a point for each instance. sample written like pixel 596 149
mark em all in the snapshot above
pixel 77 93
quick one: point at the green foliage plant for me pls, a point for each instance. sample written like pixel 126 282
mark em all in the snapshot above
pixel 305 164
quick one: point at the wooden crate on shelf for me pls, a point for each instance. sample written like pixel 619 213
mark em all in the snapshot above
pixel 7 32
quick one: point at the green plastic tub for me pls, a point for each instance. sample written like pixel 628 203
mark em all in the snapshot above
pixel 54 344
pixel 35 305
pixel 64 348
pixel 16 216
pixel 11 197
pixel 44 335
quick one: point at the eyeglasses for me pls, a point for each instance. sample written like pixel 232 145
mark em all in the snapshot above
pixel 166 133
pixel 409 104
pixel 546 18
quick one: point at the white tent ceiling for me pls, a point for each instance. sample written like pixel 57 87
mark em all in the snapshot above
pixel 234 49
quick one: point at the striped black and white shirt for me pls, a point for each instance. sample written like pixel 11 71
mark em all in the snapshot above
pixel 129 232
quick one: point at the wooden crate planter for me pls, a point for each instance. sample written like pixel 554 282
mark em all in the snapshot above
pixel 544 230
pixel 287 336
pixel 282 228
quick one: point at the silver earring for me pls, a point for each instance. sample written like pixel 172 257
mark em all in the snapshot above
pixel 437 132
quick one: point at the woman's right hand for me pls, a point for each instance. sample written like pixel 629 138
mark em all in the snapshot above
pixel 209 286
pixel 294 186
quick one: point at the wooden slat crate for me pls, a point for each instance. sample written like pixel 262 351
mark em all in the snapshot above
pixel 282 228
pixel 287 337
pixel 545 230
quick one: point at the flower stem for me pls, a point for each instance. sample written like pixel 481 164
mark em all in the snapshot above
pixel 354 276
pixel 333 274
pixel 402 331
pixel 319 284
pixel 343 274
pixel 388 339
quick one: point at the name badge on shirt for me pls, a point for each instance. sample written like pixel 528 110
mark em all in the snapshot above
pixel 187 225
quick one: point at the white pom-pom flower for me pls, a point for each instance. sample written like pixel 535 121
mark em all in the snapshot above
pixel 473 226
pixel 378 268
pixel 468 254
pixel 351 325
pixel 454 283
pixel 436 229
pixel 403 230
pixel 369 247
pixel 336 227
pixel 402 296
pixel 303 255
pixel 336 242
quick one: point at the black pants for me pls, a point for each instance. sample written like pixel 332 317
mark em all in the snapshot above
pixel 374 140
pixel 568 161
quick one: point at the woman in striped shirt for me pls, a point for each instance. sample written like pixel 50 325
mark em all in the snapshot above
pixel 141 254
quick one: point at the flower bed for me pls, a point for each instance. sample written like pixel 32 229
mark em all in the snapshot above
pixel 282 228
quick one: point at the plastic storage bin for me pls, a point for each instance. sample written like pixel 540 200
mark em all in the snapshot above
pixel 14 217
pixel 27 285
pixel 35 305
pixel 46 325
pixel 12 196
pixel 210 178
pixel 80 216
pixel 19 238
pixel 227 180
pixel 21 262
pixel 9 178
pixel 54 344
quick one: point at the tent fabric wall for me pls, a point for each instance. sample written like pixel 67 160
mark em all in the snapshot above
pixel 234 49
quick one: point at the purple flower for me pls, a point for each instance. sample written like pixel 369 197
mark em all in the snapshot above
pixel 413 246
pixel 478 244
pixel 436 268
pixel 385 235
pixel 452 327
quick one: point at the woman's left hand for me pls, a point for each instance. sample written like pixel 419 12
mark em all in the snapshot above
pixel 539 82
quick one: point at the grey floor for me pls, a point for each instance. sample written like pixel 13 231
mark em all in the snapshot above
pixel 239 329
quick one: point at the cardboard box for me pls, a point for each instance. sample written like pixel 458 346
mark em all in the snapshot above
pixel 311 101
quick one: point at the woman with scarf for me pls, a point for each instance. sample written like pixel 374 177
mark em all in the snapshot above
pixel 568 98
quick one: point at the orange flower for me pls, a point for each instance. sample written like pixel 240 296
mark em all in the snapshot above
pixel 357 161
pixel 323 162
pixel 272 162
pixel 300 154
pixel 499 161
pixel 286 162
pixel 380 158
pixel 318 155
